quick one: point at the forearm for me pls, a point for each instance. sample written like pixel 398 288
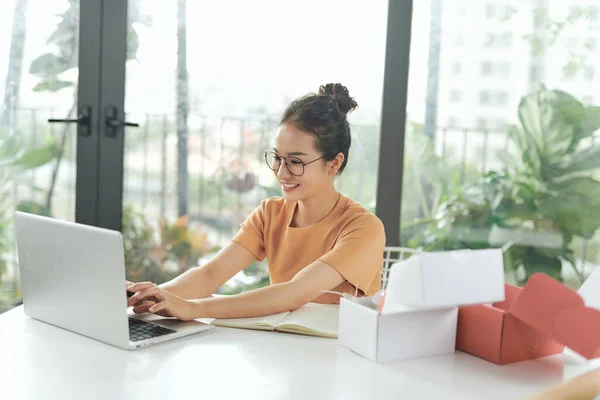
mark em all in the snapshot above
pixel 272 299
pixel 195 283
pixel 583 387
pixel 203 281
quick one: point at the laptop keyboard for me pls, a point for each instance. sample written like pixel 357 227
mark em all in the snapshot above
pixel 142 330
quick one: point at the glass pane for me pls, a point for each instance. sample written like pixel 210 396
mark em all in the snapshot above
pixel 242 72
pixel 501 149
pixel 38 43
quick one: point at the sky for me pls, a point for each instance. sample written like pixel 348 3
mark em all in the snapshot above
pixel 242 55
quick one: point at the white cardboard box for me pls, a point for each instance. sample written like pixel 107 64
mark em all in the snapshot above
pixel 447 278
pixel 589 290
pixel 399 336
pixel 420 312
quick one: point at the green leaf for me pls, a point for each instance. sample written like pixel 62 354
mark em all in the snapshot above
pixel 508 160
pixel 512 257
pixel 11 147
pixel 67 30
pixel 33 207
pixel 548 119
pixel 48 65
pixel 526 147
pixel 584 186
pixel 534 261
pixel 39 156
pixel 518 138
pixel 585 160
pixel 591 122
pixel 51 85
pixel 575 207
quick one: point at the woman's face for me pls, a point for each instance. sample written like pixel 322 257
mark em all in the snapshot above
pixel 317 177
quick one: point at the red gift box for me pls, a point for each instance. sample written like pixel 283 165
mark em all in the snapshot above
pixel 536 321
pixel 495 334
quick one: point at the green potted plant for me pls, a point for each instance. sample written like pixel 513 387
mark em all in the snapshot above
pixel 542 199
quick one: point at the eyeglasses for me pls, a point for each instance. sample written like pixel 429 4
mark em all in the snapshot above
pixel 293 164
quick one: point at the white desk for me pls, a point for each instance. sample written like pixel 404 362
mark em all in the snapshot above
pixel 40 361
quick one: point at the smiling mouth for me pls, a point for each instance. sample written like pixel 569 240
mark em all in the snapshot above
pixel 288 187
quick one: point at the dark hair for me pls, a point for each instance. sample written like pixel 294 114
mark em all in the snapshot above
pixel 323 115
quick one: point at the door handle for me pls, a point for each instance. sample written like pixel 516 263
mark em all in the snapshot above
pixel 83 120
pixel 112 122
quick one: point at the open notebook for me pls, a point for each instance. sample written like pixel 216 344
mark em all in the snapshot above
pixel 312 319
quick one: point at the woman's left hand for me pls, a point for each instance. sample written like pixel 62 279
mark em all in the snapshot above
pixel 149 297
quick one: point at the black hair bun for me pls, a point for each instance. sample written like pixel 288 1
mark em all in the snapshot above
pixel 341 95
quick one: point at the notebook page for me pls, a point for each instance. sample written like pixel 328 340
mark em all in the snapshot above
pixel 266 322
pixel 317 317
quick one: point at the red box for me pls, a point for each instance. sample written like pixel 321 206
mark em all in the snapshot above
pixel 536 321
pixel 494 334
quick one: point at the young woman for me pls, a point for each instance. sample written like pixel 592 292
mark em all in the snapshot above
pixel 314 238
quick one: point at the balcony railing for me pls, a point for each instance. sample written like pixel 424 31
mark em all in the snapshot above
pixel 217 141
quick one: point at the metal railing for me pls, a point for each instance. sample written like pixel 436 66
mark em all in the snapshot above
pixel 150 160
pixel 221 147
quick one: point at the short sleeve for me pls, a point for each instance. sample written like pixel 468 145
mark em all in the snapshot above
pixel 358 253
pixel 251 233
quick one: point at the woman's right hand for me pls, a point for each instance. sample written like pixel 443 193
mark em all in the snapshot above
pixel 141 306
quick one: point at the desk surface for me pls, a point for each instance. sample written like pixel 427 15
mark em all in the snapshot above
pixel 40 361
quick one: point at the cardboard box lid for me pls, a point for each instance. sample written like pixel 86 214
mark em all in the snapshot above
pixel 447 279
pixel 554 310
pixel 589 291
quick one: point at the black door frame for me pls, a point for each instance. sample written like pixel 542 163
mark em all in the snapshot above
pixel 393 118
pixel 88 87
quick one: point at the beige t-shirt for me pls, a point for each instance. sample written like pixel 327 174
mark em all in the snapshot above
pixel 350 239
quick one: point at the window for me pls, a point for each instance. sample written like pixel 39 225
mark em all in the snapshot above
pixel 486 68
pixel 498 40
pixel 498 12
pixel 482 123
pixel 491 97
pixel 456 68
pixel 501 98
pixel 484 97
pixel 491 124
pixel 499 69
pixel 507 13
pixel 453 122
pixel 455 96
pixel 503 69
pixel 490 10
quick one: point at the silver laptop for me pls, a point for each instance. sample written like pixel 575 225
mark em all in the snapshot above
pixel 73 277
